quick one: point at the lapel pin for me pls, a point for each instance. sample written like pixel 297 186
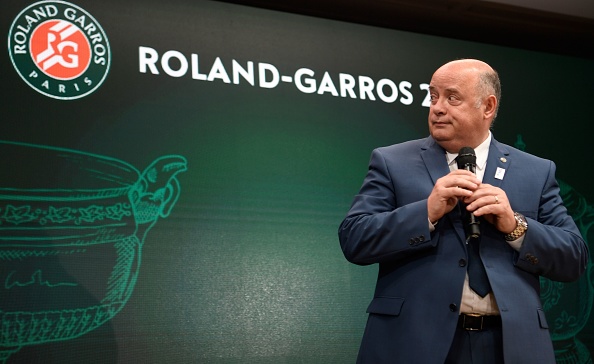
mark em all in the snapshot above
pixel 503 159
pixel 499 173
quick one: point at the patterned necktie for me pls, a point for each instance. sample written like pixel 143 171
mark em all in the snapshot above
pixel 477 276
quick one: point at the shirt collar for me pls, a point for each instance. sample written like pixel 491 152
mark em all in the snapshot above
pixel 482 153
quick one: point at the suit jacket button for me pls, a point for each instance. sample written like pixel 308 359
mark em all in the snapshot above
pixel 422 238
pixel 462 262
pixel 532 259
pixel 453 307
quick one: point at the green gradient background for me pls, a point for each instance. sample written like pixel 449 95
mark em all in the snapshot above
pixel 247 268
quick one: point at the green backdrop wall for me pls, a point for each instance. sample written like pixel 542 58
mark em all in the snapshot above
pixel 180 202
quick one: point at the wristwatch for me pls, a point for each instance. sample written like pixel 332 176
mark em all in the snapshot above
pixel 521 227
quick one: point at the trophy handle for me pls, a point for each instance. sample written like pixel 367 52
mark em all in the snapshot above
pixel 158 189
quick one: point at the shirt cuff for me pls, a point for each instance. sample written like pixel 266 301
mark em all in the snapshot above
pixel 432 226
pixel 517 244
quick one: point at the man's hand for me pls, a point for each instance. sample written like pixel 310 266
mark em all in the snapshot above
pixel 448 190
pixel 492 204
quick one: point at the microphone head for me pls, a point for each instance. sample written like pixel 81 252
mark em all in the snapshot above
pixel 466 157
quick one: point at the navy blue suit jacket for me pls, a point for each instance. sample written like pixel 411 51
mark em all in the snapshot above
pixel 414 312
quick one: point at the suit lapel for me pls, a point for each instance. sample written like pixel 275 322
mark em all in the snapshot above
pixel 434 158
pixel 498 163
pixel 435 161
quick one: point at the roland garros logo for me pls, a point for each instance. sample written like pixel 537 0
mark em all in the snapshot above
pixel 59 49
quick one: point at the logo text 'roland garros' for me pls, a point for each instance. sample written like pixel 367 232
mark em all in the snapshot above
pixel 59 49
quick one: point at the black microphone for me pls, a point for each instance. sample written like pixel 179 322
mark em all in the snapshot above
pixel 467 160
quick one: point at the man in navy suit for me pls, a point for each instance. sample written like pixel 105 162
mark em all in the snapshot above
pixel 409 217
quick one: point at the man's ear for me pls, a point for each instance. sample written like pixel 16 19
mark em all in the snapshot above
pixel 490 107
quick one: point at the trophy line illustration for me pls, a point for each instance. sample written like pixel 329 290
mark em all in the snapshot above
pixel 72 228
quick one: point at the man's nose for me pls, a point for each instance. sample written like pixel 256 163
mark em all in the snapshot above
pixel 437 107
